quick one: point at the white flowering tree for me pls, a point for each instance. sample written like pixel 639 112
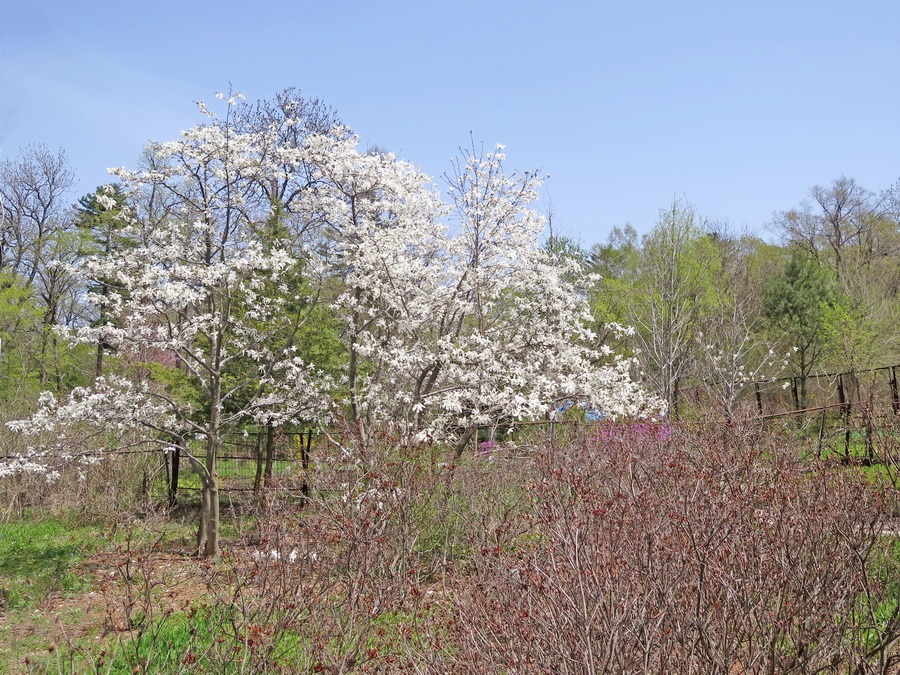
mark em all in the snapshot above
pixel 241 223
pixel 467 324
pixel 390 252
pixel 203 292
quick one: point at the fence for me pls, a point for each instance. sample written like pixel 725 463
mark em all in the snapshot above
pixel 844 411
pixel 874 389
pixel 268 458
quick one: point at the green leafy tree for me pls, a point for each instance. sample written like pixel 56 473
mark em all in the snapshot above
pixel 677 277
pixel 36 244
pixel 20 329
pixel 852 340
pixel 854 233
pixel 616 263
pixel 795 304
pixel 732 349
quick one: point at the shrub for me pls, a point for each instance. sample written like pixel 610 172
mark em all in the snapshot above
pixel 709 551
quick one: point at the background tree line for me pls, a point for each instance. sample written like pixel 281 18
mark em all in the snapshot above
pixel 719 309
pixel 711 306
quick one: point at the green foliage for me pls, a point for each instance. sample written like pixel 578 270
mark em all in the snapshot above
pixel 795 300
pixel 618 257
pixel 617 263
pixel 319 340
pixel 795 303
pixel 32 355
pixel 102 216
pixel 676 286
pixel 566 248
pixel 679 262
pixel 177 385
pixel 849 335
pixel 315 337
pixel 20 318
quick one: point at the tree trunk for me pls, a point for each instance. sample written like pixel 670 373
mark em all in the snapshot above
pixel 675 399
pixel 202 529
pixel 463 442
pixel 173 480
pixel 209 503
pixel 208 533
pixel 98 367
pixel 211 548
pixel 208 537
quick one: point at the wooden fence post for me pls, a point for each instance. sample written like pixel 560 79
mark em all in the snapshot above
pixel 895 395
pixel 821 434
pixel 845 410
pixel 304 462
pixel 257 479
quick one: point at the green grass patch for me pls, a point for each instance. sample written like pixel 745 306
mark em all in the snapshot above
pixel 38 558
pixel 232 470
pixel 203 640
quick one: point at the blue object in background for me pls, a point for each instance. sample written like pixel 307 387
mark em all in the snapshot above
pixel 593 415
pixel 590 414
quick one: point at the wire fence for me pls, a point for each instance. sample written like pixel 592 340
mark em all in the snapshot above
pixel 843 412
pixel 270 458
pixel 847 413
pixel 875 389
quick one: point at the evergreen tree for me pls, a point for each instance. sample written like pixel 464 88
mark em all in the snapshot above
pixel 795 304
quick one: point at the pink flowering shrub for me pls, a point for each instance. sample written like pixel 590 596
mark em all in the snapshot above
pixel 610 431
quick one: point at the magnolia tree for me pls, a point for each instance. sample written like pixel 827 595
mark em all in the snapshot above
pixel 454 317
pixel 463 325
pixel 202 290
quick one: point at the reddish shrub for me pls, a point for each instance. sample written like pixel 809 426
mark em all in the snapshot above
pixel 707 551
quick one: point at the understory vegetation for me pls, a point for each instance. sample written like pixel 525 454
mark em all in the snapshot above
pixel 608 548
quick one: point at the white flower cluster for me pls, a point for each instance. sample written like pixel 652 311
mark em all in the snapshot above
pixel 464 324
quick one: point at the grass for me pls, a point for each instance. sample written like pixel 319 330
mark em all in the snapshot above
pixel 38 558
pixel 166 648
pixel 237 471
pixel 56 579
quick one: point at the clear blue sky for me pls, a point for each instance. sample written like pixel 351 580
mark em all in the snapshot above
pixel 739 107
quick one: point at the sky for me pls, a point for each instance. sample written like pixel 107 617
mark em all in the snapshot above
pixel 736 107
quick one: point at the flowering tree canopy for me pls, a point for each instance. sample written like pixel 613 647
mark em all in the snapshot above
pixel 205 291
pixel 470 323
pixel 240 231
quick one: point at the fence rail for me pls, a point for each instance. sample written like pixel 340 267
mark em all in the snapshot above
pixel 846 407
pixel 269 458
